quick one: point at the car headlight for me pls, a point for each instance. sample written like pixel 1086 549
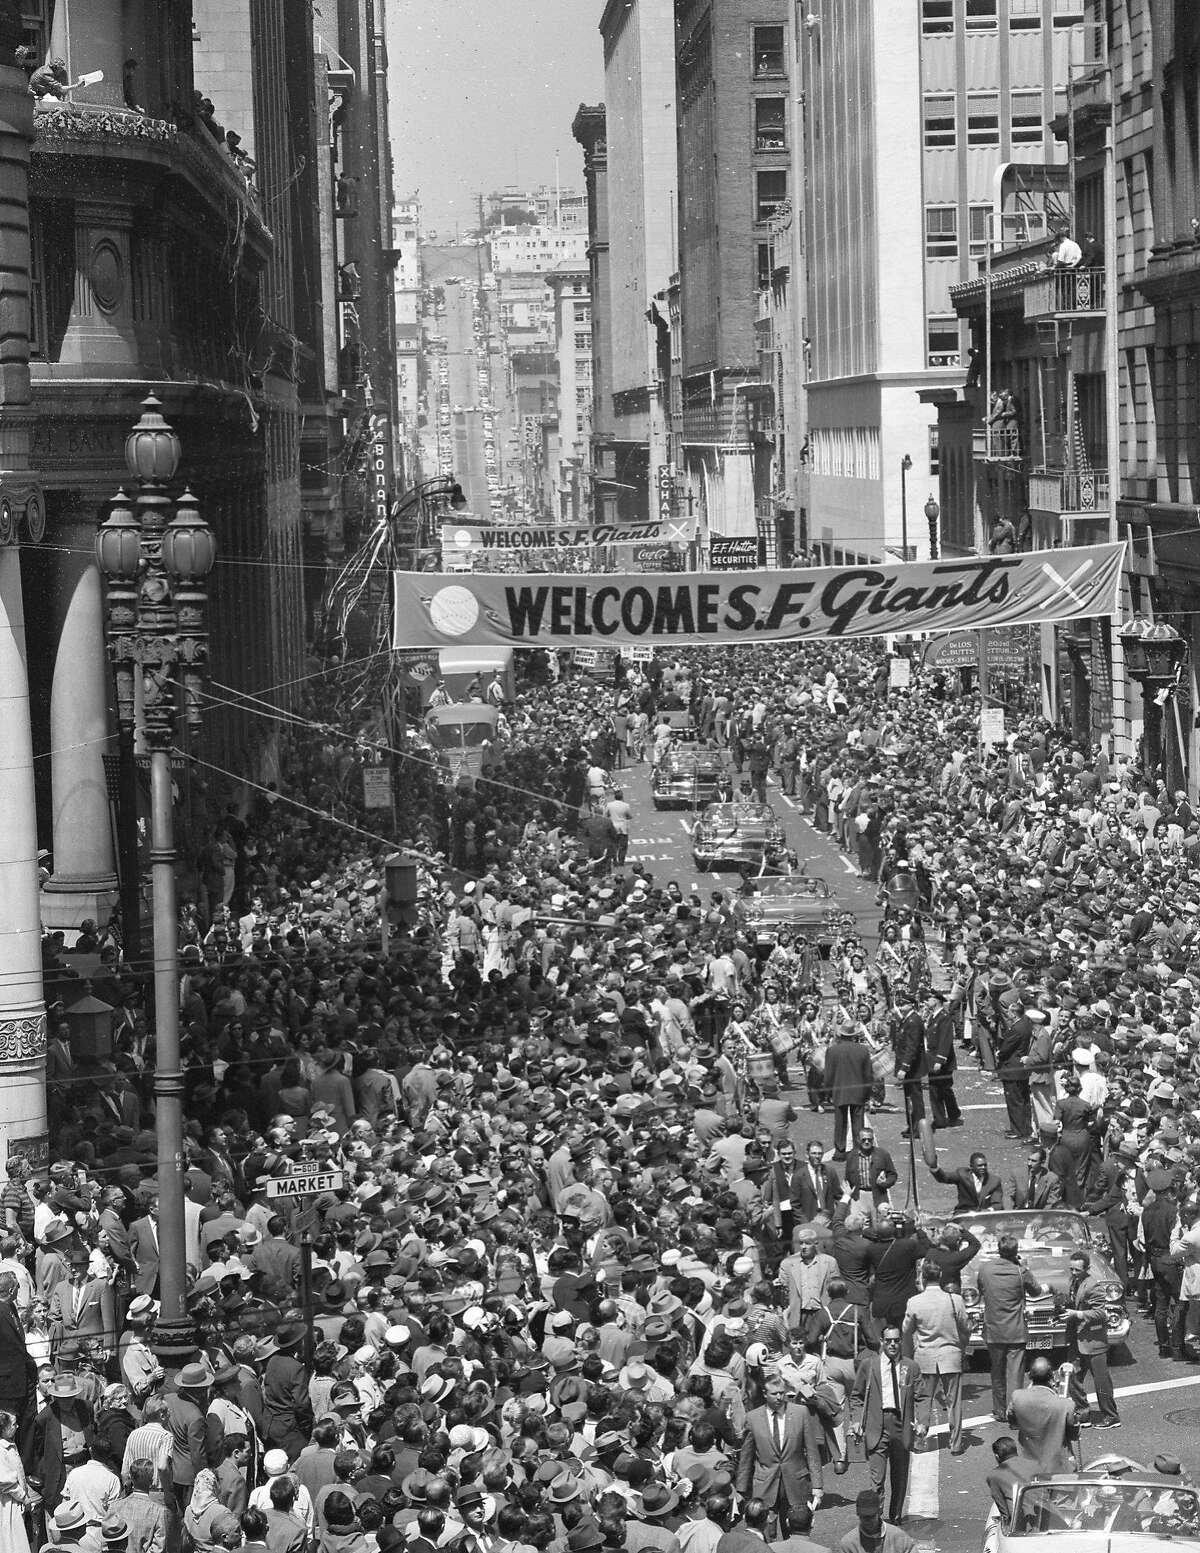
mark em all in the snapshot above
pixel 1114 1293
pixel 970 1297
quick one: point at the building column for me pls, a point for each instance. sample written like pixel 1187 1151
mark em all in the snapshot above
pixel 84 882
pixel 22 1009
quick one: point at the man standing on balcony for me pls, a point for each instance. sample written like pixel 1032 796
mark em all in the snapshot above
pixel 1091 253
pixel 1068 254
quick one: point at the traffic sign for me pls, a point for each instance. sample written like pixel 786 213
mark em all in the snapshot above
pixel 306 1183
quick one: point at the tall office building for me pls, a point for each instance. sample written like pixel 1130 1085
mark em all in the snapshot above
pixel 629 442
pixel 732 84
pixel 911 111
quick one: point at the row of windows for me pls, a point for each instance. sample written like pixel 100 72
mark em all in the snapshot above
pixel 846 452
pixel 941 231
pixel 982 114
pixel 937 16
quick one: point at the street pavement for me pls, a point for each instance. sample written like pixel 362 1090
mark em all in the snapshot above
pixel 1159 1400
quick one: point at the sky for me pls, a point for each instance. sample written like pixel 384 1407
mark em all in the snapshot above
pixel 482 94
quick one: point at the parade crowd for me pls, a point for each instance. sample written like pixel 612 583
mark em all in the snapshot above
pixel 619 1262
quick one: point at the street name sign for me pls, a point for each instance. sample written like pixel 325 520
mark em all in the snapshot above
pixel 306 1183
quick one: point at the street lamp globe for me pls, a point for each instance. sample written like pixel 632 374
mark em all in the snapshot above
pixel 118 542
pixel 152 449
pixel 932 511
pixel 189 547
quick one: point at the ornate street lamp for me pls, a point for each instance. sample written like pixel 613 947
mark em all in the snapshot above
pixel 1154 653
pixel 932 514
pixel 155 554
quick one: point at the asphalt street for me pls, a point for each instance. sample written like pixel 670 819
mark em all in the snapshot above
pixel 1159 1400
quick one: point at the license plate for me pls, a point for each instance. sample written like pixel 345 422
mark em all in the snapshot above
pixel 1041 1340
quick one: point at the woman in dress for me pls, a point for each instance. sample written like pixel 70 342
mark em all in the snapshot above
pixel 14 1490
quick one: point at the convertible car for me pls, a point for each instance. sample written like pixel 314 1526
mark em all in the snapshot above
pixel 1046 1237
pixel 688 778
pixel 794 901
pixel 738 835
pixel 1114 1505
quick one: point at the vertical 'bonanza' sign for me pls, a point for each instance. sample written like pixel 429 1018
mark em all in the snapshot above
pixel 379 468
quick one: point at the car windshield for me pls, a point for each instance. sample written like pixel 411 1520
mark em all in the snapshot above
pixel 738 816
pixel 790 886
pixel 1145 1509
pixel 1028 1229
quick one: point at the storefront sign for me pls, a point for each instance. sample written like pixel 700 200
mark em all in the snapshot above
pixel 1005 650
pixel 733 555
pixel 499 537
pixel 722 609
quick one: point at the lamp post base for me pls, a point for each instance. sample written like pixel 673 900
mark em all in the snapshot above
pixel 174 1343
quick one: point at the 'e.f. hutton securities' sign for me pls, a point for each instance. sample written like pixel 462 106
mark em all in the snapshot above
pixel 560 537
pixel 791 606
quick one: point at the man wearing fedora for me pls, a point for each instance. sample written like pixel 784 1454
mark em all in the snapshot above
pixel 52 1264
pixel 62 1433
pixel 82 1307
pixel 286 1404
pixel 186 1407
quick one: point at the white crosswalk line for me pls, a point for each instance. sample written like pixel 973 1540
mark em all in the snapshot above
pixel 923 1498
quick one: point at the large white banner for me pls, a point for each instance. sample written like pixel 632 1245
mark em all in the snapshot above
pixel 719 608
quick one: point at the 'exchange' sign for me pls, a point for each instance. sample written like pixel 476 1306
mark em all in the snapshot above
pixel 709 608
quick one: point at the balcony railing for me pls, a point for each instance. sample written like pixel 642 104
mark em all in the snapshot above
pixel 1065 291
pixel 996 444
pixel 1069 491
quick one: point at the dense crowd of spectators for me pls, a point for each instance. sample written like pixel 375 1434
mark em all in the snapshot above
pixel 601 1276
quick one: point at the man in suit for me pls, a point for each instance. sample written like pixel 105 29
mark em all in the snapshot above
pixel 1044 1421
pixel 870 1169
pixel 1003 1285
pixel 1106 1195
pixel 939 1326
pixel 881 1416
pixel 912 1066
pixel 276 1258
pixel 978 1188
pixel 143 1247
pixel 1012 1047
pixel 941 1028
pixel 817 1186
pixel 83 1307
pixel 849 1079
pixel 1039 1187
pixel 897 1247
pixel 780 1457
pixel 1089 1341
pixel 18 1373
